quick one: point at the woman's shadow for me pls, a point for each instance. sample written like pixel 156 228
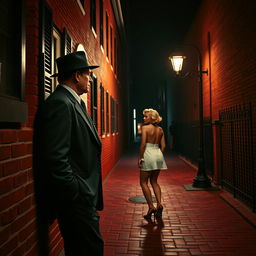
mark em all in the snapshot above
pixel 152 245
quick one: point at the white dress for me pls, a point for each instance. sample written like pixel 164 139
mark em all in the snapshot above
pixel 153 158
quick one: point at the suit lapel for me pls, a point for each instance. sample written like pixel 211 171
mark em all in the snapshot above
pixel 91 123
pixel 88 121
pixel 83 114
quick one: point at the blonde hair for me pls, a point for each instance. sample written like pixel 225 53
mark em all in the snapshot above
pixel 153 114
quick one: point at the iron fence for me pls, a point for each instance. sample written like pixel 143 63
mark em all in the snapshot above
pixel 237 164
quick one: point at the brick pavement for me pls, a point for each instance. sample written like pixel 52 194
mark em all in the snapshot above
pixel 194 222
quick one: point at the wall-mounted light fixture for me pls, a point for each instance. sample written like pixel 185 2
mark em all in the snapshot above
pixel 201 180
pixel 177 61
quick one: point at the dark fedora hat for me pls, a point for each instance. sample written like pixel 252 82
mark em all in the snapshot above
pixel 72 62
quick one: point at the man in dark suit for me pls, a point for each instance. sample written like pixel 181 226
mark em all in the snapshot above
pixel 71 158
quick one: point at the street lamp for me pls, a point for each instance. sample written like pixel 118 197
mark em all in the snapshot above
pixel 177 62
pixel 201 180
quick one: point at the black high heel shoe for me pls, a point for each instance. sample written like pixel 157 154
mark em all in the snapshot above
pixel 151 211
pixel 159 212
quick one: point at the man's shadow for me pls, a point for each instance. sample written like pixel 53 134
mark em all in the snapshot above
pixel 152 244
pixel 44 213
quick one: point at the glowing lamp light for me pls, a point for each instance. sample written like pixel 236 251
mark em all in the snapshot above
pixel 139 125
pixel 177 62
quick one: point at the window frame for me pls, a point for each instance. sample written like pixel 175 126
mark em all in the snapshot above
pixel 111 46
pixel 66 42
pixel 94 100
pixel 16 110
pixel 93 16
pixel 112 111
pixel 107 113
pixel 102 23
pixel 115 55
pixel 116 116
pixel 107 35
pixel 56 52
pixel 102 110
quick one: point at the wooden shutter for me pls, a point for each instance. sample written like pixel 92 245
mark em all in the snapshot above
pixel 45 61
pixel 66 43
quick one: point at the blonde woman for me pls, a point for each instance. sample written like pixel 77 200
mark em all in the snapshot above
pixel 151 160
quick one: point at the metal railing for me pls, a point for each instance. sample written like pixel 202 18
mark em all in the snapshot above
pixel 237 163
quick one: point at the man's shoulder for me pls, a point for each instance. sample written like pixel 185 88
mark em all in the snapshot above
pixel 60 94
pixel 57 101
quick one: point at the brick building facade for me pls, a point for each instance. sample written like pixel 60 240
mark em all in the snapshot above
pixel 223 31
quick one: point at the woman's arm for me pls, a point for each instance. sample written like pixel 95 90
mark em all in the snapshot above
pixel 162 143
pixel 142 144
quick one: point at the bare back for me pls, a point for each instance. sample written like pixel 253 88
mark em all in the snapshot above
pixel 154 134
pixel 151 134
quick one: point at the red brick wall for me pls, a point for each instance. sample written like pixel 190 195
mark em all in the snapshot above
pixel 229 56
pixel 17 208
pixel 232 52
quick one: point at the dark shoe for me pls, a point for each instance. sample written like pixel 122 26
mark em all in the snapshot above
pixel 159 212
pixel 151 211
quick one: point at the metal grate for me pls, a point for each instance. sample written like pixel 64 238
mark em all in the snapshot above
pixel 237 172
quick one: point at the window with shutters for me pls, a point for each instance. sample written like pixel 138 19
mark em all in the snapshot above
pixel 111 46
pixel 101 23
pixel 113 123
pixel 56 49
pixel 116 116
pixel 118 60
pixel 12 63
pixel 115 52
pixel 94 98
pixel 53 45
pixel 46 82
pixel 107 112
pixel 66 42
pixel 93 15
pixel 102 110
pixel 107 42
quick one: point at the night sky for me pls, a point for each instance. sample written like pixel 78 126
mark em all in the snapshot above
pixel 153 30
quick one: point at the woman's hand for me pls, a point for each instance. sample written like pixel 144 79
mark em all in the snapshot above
pixel 140 162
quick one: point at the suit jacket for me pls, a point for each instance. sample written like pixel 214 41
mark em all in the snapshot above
pixel 70 151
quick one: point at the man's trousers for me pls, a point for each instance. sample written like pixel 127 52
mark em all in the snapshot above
pixel 79 226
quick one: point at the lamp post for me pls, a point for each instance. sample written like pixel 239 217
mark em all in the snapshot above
pixel 201 180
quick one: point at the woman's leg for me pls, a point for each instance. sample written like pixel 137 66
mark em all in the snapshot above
pixel 157 189
pixel 144 176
